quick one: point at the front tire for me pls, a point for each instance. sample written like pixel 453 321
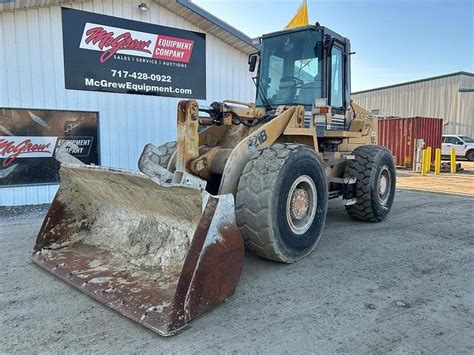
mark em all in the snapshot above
pixel 375 174
pixel 470 155
pixel 281 202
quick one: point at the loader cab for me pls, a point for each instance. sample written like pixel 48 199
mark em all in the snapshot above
pixel 300 65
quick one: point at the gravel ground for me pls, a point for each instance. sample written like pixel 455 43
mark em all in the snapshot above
pixel 461 183
pixel 405 285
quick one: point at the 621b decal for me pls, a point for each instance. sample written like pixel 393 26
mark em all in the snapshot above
pixel 256 140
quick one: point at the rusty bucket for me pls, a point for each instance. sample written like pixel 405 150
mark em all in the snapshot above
pixel 160 254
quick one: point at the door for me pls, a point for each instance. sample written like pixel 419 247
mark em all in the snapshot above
pixel 452 142
pixel 459 146
pixel 445 146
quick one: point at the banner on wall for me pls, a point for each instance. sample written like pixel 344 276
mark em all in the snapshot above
pixel 111 54
pixel 29 139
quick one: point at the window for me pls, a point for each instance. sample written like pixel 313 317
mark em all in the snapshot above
pixel 275 74
pixel 337 87
pixel 451 140
pixel 39 133
pixel 467 139
pixel 307 69
pixel 291 69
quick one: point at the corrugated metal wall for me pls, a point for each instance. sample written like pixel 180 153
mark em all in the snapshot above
pixel 434 98
pixel 32 76
pixel 466 110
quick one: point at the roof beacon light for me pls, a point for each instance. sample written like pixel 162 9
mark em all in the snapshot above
pixel 143 7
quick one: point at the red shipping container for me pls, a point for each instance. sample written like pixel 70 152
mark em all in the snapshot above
pixel 399 135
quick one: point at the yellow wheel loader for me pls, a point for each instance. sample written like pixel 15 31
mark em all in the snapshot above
pixel 163 245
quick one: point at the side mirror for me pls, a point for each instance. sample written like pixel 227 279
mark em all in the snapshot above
pixel 460 142
pixel 253 57
pixel 328 44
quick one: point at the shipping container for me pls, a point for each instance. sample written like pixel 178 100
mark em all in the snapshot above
pixel 400 134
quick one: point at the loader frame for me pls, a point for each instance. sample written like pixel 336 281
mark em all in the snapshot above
pixel 225 150
pixel 218 153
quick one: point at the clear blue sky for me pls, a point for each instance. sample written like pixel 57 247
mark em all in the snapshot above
pixel 395 40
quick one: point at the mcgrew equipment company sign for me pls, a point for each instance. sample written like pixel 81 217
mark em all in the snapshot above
pixel 29 139
pixel 104 53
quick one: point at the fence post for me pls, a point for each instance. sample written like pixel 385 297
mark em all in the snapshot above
pixel 453 161
pixel 428 160
pixel 423 162
pixel 438 161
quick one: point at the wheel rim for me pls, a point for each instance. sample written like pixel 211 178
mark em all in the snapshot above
pixel 384 185
pixel 301 204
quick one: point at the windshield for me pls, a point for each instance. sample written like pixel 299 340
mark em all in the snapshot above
pixel 291 69
pixel 467 139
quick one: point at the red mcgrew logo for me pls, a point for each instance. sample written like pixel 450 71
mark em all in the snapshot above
pixel 111 40
pixel 103 39
pixel 25 147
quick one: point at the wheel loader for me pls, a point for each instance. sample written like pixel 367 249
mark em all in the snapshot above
pixel 166 244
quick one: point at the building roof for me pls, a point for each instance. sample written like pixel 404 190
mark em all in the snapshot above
pixel 415 82
pixel 183 8
pixel 209 23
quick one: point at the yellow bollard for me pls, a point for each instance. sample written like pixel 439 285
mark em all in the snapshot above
pixel 428 160
pixel 423 162
pixel 453 161
pixel 438 161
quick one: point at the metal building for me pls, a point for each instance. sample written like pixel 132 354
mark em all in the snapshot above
pixel 450 97
pixel 32 77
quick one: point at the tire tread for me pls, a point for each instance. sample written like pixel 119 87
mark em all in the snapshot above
pixel 361 167
pixel 253 199
pixel 166 151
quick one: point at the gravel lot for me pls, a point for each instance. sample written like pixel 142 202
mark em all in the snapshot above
pixel 405 285
pixel 461 183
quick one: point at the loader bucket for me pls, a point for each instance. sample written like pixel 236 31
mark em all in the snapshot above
pixel 160 254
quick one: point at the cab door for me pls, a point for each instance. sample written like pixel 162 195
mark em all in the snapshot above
pixel 445 146
pixel 452 142
pixel 337 77
pixel 459 146
pixel 337 87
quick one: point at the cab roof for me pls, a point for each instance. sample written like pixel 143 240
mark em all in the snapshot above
pixel 315 27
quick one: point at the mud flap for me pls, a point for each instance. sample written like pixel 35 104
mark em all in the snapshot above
pixel 160 254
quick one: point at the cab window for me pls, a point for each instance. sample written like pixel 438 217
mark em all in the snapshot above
pixel 275 74
pixel 291 69
pixel 337 88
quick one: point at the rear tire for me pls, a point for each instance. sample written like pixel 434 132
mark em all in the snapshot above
pixel 281 202
pixel 374 170
pixel 165 152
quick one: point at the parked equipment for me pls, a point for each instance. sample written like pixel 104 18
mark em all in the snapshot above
pixel 165 245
